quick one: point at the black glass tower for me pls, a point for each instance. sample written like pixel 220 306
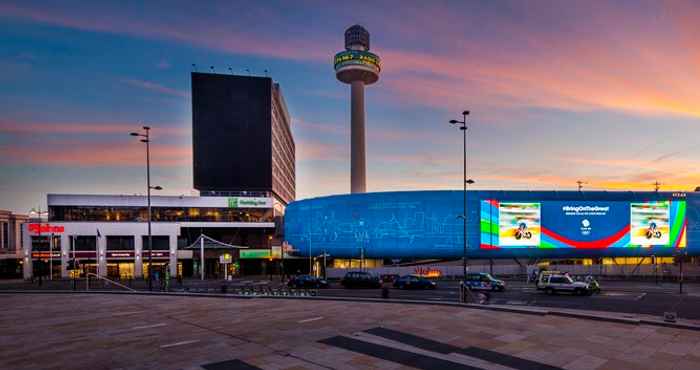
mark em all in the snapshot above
pixel 241 137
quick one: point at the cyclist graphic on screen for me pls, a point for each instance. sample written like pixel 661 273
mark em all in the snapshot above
pixel 653 231
pixel 522 232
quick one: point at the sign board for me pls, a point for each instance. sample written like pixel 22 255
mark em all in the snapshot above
pixel 225 259
pixel 249 202
pixel 254 253
pixel 357 57
pixel 45 229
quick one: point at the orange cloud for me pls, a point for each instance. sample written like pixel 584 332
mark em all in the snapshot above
pixel 124 128
pixel 91 155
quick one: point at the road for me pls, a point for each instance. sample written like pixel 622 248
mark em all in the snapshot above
pixel 629 297
pixel 617 296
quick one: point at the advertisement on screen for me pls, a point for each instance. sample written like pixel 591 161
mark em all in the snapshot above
pixel 582 224
pixel 650 223
pixel 519 224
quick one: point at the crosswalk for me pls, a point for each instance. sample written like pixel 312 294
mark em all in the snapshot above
pixel 400 348
pixel 424 353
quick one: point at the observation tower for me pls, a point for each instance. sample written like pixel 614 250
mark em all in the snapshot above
pixel 358 67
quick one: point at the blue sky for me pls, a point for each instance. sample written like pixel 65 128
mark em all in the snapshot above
pixel 602 92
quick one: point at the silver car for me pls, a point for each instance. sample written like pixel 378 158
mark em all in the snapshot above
pixel 554 283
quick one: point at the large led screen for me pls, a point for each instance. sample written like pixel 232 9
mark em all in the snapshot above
pixel 582 224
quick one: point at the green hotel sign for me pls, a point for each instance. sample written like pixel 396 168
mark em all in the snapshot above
pixel 254 254
pixel 241 202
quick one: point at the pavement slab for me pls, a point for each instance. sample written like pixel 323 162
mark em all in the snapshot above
pixel 110 331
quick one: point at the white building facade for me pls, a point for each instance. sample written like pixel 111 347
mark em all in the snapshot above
pixel 109 233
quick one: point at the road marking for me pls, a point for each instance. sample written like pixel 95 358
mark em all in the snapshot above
pixel 179 343
pixel 149 326
pixel 310 320
pixel 127 313
pixel 640 297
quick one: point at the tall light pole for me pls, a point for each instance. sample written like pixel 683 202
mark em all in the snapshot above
pixel 145 138
pixel 463 126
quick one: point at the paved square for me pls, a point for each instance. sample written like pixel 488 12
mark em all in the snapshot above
pixel 110 331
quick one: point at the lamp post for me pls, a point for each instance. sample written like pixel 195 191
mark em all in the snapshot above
pixel 463 127
pixel 145 138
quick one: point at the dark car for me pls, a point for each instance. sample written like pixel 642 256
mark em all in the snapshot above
pixel 389 278
pixel 360 279
pixel 484 281
pixel 307 282
pixel 414 282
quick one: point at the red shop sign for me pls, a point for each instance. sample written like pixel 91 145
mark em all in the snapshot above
pixel 46 229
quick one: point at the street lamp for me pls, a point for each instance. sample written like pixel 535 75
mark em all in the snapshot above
pixel 463 127
pixel 145 138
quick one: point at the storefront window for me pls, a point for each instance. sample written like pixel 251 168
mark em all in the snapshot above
pixel 160 214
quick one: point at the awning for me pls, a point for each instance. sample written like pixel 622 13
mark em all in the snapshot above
pixel 210 243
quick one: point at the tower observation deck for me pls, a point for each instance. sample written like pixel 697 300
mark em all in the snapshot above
pixel 358 67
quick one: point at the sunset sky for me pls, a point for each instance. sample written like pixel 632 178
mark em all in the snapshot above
pixel 604 92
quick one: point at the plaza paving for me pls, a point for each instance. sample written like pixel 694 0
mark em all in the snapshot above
pixel 107 331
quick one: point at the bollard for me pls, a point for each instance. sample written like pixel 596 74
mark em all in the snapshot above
pixel 385 292
pixel 224 288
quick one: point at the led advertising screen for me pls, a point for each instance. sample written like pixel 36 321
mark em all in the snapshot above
pixel 519 224
pixel 582 224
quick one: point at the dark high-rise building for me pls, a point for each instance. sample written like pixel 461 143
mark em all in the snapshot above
pixel 242 141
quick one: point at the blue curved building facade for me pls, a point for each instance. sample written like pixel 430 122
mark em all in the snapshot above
pixel 500 224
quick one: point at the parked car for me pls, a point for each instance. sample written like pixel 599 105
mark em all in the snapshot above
pixel 553 283
pixel 389 278
pixel 360 279
pixel 484 281
pixel 307 282
pixel 414 282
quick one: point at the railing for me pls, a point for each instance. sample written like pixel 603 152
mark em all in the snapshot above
pixel 87 282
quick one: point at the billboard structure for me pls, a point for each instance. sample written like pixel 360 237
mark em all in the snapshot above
pixel 500 224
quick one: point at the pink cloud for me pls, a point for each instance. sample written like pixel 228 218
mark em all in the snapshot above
pixel 152 86
pixel 92 155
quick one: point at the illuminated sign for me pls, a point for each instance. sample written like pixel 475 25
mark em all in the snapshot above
pixel 45 229
pixel 357 57
pixel 254 253
pixel 249 202
pixel 121 254
pixel 428 272
pixel 44 255
pixel 225 258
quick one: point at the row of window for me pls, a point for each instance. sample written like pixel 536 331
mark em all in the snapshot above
pixel 162 214
pixel 89 243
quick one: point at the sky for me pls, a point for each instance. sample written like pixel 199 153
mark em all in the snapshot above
pixel 559 91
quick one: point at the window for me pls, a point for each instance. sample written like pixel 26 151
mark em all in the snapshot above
pixel 40 243
pixel 160 242
pixel 84 243
pixel 557 280
pixel 5 235
pixel 120 243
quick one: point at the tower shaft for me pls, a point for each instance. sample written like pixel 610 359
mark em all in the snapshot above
pixel 358 177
